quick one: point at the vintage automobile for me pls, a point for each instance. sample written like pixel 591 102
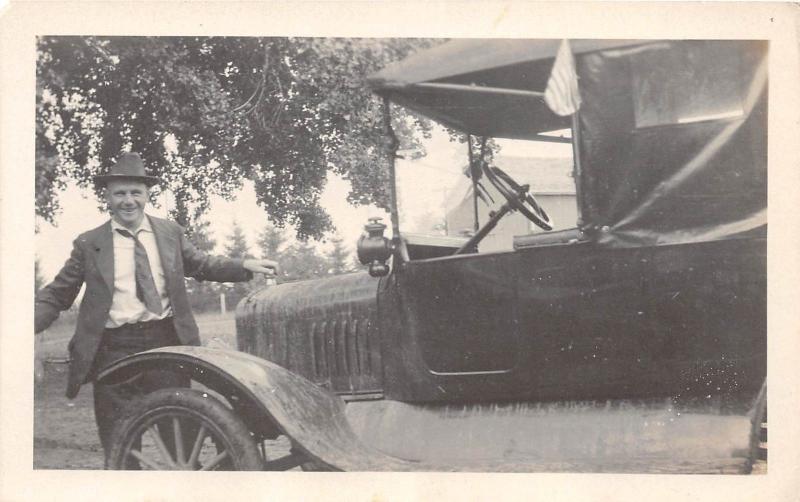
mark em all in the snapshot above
pixel 635 341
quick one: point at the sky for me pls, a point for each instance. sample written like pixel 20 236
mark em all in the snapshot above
pixel 422 188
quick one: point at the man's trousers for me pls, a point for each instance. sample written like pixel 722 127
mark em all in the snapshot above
pixel 110 401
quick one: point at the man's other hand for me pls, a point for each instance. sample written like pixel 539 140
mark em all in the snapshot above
pixel 266 267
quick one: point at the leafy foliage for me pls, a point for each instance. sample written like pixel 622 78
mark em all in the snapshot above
pixel 301 261
pixel 206 113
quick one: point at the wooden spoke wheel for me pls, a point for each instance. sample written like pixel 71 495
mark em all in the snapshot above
pixel 182 429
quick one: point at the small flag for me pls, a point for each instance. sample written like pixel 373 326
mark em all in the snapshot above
pixel 562 95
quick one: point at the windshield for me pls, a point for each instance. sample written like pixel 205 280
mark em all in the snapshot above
pixel 435 195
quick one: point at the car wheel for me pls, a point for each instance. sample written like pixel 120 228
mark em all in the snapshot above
pixel 182 429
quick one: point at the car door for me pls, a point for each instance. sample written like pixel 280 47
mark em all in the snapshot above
pixel 462 310
pixel 580 310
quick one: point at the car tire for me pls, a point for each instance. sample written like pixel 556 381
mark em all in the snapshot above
pixel 182 429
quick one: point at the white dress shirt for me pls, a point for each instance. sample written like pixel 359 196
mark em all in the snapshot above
pixel 125 306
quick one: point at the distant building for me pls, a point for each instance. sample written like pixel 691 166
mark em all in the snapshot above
pixel 551 183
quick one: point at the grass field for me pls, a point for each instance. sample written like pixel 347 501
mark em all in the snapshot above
pixel 52 343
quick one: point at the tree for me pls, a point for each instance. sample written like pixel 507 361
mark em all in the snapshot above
pixel 199 235
pixel 237 247
pixel 203 296
pixel 339 260
pixel 207 113
pixel 270 241
pixel 301 261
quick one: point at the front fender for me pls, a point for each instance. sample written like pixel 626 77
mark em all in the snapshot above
pixel 270 400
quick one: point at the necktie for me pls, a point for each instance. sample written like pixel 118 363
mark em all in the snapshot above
pixel 146 290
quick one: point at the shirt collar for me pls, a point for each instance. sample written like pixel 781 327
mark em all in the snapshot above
pixel 143 226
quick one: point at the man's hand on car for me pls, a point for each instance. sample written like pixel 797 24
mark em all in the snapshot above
pixel 266 267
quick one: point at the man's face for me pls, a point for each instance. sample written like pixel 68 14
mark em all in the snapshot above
pixel 126 200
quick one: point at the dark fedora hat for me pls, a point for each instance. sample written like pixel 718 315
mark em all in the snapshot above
pixel 129 167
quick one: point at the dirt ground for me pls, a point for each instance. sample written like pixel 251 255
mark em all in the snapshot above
pixel 64 434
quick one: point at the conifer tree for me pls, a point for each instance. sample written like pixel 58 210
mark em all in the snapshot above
pixel 236 247
pixel 339 260
pixel 203 295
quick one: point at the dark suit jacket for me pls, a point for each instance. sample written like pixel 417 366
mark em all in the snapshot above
pixel 92 262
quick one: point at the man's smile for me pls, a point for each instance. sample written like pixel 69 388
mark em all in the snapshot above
pixel 127 201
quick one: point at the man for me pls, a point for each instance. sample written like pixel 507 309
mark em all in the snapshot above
pixel 135 299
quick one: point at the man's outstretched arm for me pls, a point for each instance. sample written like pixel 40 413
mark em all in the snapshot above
pixel 205 267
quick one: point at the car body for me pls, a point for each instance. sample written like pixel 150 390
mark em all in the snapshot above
pixel 639 334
